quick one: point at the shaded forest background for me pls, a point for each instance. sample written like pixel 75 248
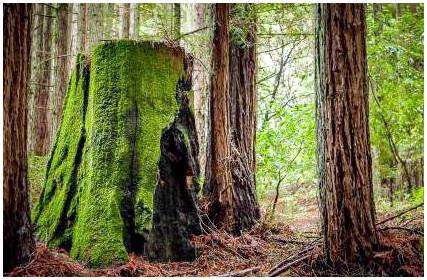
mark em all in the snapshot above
pixel 285 145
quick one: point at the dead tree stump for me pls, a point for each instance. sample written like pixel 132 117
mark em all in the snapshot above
pixel 127 129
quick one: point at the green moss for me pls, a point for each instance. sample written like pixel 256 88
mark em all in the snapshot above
pixel 96 185
pixel 52 214
pixel 36 174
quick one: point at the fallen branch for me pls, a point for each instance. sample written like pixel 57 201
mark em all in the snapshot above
pixel 289 265
pixel 402 228
pixel 400 214
pixel 291 241
pixel 291 258
pixel 241 272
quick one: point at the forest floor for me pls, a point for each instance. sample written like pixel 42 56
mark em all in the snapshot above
pixel 255 253
pixel 288 246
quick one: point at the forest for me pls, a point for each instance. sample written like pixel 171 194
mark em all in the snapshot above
pixel 197 139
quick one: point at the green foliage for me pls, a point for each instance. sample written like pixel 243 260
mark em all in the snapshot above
pixel 286 124
pixel 396 72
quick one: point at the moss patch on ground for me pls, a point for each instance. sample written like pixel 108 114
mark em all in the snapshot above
pixel 98 195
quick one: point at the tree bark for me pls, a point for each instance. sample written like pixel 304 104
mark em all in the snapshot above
pixel 43 119
pixel 124 21
pixel 18 241
pixel 95 23
pixel 201 82
pixel 62 46
pixel 36 72
pixel 344 157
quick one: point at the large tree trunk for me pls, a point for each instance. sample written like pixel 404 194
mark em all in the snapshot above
pixel 17 237
pixel 243 116
pixel 97 200
pixel 344 157
pixel 43 116
pixel 62 44
pixel 124 21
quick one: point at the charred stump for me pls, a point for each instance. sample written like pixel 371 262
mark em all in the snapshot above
pixel 175 215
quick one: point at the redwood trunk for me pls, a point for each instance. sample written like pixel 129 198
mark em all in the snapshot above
pixel 344 157
pixel 17 237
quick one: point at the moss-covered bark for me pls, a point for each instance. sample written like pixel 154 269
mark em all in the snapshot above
pixel 98 195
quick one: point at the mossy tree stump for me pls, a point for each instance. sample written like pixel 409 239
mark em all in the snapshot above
pixel 97 200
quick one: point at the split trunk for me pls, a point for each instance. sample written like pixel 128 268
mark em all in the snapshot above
pixel 230 169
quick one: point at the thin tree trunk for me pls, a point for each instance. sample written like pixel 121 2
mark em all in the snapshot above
pixel 36 73
pixel 176 26
pixel 74 44
pixel 18 241
pixel 134 21
pixel 344 157
pixel 392 144
pixel 124 21
pixel 62 44
pixel 83 32
pixel 377 10
pixel 201 85
pixel 43 115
